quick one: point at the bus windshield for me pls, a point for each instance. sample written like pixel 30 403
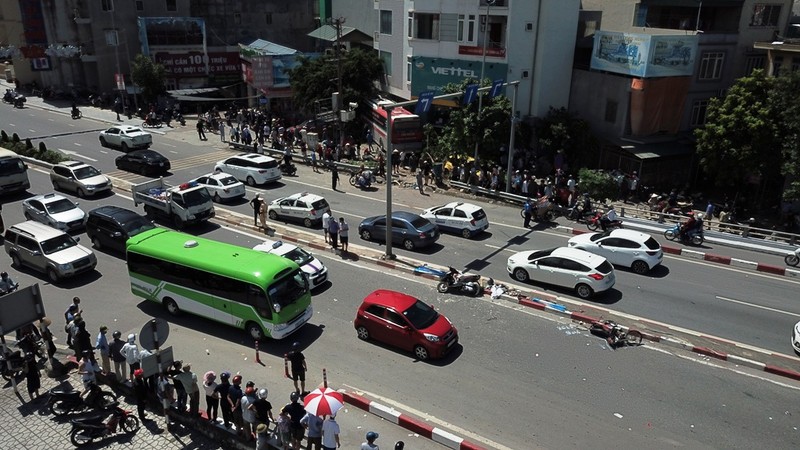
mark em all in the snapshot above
pixel 289 289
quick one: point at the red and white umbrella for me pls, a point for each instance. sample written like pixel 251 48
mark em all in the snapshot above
pixel 323 402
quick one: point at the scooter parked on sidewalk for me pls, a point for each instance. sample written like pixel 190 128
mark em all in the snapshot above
pixel 793 259
pixel 455 280
pixel 85 431
pixel 12 364
pixel 64 402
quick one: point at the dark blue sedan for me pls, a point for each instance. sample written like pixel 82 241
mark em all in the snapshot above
pixel 408 229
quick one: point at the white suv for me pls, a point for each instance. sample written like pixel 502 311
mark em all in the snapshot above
pixel 303 206
pixel 628 248
pixel 47 250
pixel 465 219
pixel 251 168
pixel 315 271
pixel 80 178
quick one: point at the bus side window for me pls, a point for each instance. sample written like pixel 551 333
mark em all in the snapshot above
pixel 257 298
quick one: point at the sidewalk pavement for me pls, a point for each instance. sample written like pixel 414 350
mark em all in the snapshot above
pixel 28 424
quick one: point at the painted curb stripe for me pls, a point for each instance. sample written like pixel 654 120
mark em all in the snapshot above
pixel 761 267
pixel 710 353
pixel 718 259
pixel 417 426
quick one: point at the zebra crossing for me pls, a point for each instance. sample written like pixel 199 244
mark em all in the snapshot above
pixel 208 159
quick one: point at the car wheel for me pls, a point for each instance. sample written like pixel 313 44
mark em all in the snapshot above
pixel 103 142
pixel 81 193
pixel 521 275
pixel 465 233
pixel 171 306
pixel 583 291
pixel 56 187
pixel 366 235
pixel 421 353
pixel 362 333
pixel 217 198
pixel 308 222
pixel 124 147
pixel 52 275
pixel 254 331
pixel 640 267
pixel 96 243
pixel 178 222
pixel 408 244
pixel 28 216
pixel 273 215
pixel 16 261
pixel 251 181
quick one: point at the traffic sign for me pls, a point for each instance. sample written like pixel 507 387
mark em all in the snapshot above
pixel 470 92
pixel 424 102
pixel 154 333
pixel 496 86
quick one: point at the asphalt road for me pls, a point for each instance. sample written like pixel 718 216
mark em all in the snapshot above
pixel 754 308
pixel 519 380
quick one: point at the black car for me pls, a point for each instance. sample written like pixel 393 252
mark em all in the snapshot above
pixel 111 226
pixel 145 162
pixel 408 229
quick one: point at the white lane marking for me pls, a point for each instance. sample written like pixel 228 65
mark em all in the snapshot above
pixel 173 152
pixel 32 131
pixel 168 145
pixel 77 144
pixel 73 153
pixel 753 305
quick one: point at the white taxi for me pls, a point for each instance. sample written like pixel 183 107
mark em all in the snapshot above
pixel 461 218
pixel 315 271
pixel 302 207
pixel 221 186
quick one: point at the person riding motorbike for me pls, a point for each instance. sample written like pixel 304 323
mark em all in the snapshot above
pixel 692 223
pixel 9 96
pixel 586 206
pixel 75 111
pixel 6 283
pixel 609 217
pixel 364 178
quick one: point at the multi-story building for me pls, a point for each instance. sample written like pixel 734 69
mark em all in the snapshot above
pixel 646 117
pixel 428 44
pixel 68 44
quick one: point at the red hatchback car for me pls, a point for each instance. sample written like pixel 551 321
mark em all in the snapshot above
pixel 403 321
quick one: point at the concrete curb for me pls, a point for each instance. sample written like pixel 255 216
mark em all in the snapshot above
pixel 410 423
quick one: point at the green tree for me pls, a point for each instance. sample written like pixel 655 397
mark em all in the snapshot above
pixel 465 127
pixel 784 100
pixel 563 131
pixel 740 139
pixel 148 76
pixel 599 184
pixel 315 79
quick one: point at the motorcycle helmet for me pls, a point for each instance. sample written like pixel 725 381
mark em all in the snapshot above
pixel 4 275
pixel 294 396
pixel 116 335
pixel 138 373
pixel 371 436
pixel 224 376
pixel 262 393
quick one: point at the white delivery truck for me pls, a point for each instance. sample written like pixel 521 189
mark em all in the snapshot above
pixel 182 205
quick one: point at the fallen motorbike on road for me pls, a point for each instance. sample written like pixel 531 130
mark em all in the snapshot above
pixel 85 431
pixel 288 169
pixel 455 280
pixel 694 236
pixel 64 402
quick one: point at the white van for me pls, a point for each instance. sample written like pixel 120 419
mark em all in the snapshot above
pixel 13 173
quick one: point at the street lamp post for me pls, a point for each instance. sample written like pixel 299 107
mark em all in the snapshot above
pixel 489 3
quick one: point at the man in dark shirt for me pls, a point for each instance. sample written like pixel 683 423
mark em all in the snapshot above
pixel 298 363
pixel 296 414
pixel 223 389
pixel 263 408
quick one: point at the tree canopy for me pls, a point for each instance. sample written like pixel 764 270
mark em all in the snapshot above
pixel 315 78
pixel 751 134
pixel 149 76
pixel 563 131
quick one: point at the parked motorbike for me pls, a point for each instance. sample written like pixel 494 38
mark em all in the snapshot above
pixel 87 430
pixel 288 169
pixel 693 236
pixel 792 259
pixel 596 221
pixel 33 344
pixel 76 113
pixel 543 211
pixel 9 96
pixel 455 280
pixel 12 363
pixel 64 402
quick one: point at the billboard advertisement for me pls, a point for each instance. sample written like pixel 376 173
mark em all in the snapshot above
pixel 644 55
pixel 193 64
pixel 432 74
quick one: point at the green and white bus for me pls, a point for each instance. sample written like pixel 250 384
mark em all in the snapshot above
pixel 266 295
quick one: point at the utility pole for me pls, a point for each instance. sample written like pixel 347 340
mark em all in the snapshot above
pixel 489 4
pixel 337 108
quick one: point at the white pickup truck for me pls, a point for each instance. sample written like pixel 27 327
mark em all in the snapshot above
pixel 126 138
pixel 182 205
